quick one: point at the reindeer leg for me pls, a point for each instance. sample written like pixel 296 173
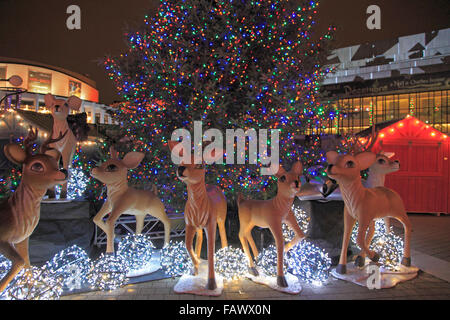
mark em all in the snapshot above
pixel 139 223
pixel 17 261
pixel 22 249
pixel 361 258
pixel 299 235
pixel 349 222
pixel 67 159
pixel 387 223
pixel 403 218
pixel 198 243
pixel 167 227
pixel 223 233
pixel 211 238
pixel 361 240
pixel 98 219
pixel 111 224
pixel 189 238
pixel 277 232
pixel 244 237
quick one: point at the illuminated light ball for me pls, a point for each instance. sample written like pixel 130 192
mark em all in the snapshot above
pixel 108 272
pixel 35 284
pixel 136 250
pixel 309 262
pixel 303 220
pixel 175 260
pixel 77 184
pixel 267 261
pixel 73 265
pixel 388 245
pixel 5 265
pixel 231 263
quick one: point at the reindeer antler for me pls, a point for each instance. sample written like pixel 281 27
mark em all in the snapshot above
pixel 45 146
pixel 28 141
pixel 114 153
pixel 358 147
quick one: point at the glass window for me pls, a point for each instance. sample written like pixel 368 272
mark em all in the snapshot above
pixel 403 100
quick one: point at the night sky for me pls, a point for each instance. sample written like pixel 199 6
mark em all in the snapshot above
pixel 36 29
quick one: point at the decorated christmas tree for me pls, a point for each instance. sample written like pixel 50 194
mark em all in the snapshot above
pixel 230 64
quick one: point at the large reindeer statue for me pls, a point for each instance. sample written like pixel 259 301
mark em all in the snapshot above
pixel 364 205
pixel 19 215
pixel 205 208
pixel 271 214
pixel 123 199
pixel 66 147
pixel 382 166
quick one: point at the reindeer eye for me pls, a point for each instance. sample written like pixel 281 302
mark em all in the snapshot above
pixel 381 161
pixel 349 164
pixel 37 167
pixel 111 168
pixel 283 179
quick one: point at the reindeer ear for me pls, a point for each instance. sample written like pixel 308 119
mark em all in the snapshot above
pixel 297 168
pixel 332 157
pixel 365 159
pixel 390 155
pixel 49 100
pixel 114 153
pixel 281 172
pixel 74 103
pixel 173 144
pixel 132 159
pixel 15 153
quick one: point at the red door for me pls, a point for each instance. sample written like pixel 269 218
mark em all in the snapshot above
pixel 423 178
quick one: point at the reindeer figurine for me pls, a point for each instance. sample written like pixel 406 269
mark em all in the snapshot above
pixel 205 208
pixel 382 166
pixel 364 205
pixel 66 147
pixel 123 199
pixel 19 215
pixel 271 214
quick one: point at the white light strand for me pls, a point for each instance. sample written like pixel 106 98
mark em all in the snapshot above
pixel 388 245
pixel 136 250
pixel 108 273
pixel 231 263
pixel 267 260
pixel 77 184
pixel 175 259
pixel 309 262
pixel 73 264
pixel 303 220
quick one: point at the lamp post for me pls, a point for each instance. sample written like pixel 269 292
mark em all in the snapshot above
pixel 15 81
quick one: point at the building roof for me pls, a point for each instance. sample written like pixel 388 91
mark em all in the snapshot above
pixel 72 74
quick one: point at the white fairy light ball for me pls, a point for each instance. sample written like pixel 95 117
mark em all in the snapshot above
pixel 267 261
pixel 35 284
pixel 175 260
pixel 73 264
pixel 136 250
pixel 5 265
pixel 388 245
pixel 309 262
pixel 108 272
pixel 303 220
pixel 231 263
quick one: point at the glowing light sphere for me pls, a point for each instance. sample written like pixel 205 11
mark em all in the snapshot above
pixel 309 262
pixel 231 263
pixel 35 284
pixel 388 245
pixel 108 272
pixel 77 184
pixel 136 250
pixel 73 265
pixel 175 259
pixel 5 265
pixel 303 220
pixel 267 260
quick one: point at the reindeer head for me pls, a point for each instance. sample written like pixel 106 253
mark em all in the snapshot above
pixel 39 170
pixel 384 164
pixel 59 107
pixel 190 173
pixel 115 170
pixel 289 181
pixel 348 167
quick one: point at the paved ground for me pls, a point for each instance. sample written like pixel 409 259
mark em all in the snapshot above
pixel 430 247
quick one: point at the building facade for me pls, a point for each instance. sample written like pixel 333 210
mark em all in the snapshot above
pixel 40 79
pixel 387 80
